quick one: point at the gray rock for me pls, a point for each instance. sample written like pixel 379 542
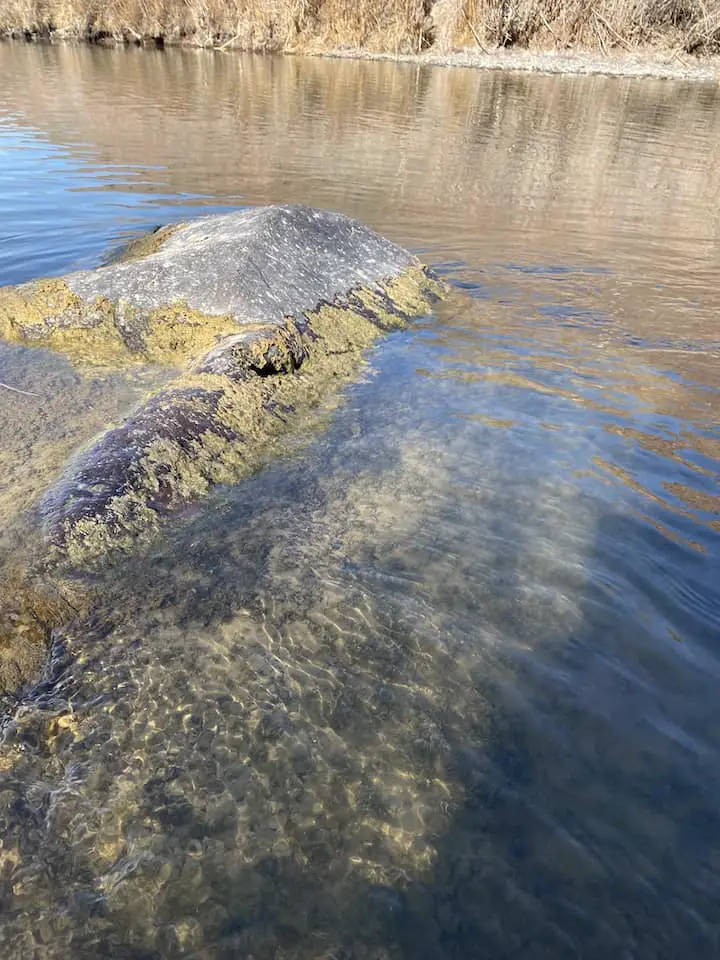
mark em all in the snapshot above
pixel 257 265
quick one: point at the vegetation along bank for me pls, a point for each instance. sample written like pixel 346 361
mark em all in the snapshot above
pixel 604 27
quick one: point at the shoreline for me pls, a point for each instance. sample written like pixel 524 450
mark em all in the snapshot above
pixel 645 63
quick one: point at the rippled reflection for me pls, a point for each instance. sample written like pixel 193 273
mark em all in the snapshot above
pixel 442 681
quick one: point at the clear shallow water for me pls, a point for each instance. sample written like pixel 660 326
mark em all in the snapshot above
pixel 443 683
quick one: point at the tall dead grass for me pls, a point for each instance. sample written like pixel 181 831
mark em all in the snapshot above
pixel 691 26
pixel 246 24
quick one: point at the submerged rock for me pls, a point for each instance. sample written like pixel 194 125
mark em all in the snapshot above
pixel 259 312
pixel 29 611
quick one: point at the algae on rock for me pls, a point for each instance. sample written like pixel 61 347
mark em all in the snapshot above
pixel 29 611
pixel 262 313
pixel 214 423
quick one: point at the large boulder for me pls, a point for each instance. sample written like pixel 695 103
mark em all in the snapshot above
pixel 258 314
pixel 177 291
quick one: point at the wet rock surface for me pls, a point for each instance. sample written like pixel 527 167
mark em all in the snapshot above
pixel 258 266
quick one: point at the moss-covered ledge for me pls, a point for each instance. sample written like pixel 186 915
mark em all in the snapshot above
pixel 262 314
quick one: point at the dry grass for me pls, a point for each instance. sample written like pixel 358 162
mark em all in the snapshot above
pixel 247 24
pixel 691 26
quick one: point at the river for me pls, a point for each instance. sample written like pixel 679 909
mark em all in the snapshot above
pixel 440 681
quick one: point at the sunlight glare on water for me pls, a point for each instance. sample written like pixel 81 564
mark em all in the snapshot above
pixel 441 682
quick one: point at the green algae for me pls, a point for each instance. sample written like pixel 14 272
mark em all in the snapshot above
pixel 145 245
pixel 103 333
pixel 114 334
pixel 48 313
pixel 176 333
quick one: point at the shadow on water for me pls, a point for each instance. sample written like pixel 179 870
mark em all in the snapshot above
pixel 589 826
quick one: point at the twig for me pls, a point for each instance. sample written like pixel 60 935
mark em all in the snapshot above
pixel 25 393
pixel 138 37
pixel 599 36
pixel 677 55
pixel 548 27
pixel 612 30
pixel 473 31
pixel 228 42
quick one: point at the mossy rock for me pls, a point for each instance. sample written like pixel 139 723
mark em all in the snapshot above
pixel 177 291
pixel 261 313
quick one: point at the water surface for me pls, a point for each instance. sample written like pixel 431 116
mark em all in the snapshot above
pixel 441 682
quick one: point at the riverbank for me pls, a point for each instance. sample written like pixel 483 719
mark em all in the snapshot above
pixel 643 63
pixel 643 38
